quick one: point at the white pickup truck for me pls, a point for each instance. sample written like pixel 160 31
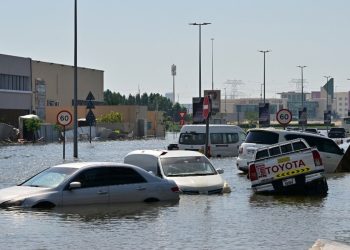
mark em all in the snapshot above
pixel 291 167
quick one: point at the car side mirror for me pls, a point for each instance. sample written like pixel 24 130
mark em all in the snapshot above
pixel 74 185
pixel 220 171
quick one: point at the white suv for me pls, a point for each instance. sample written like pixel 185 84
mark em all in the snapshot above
pixel 330 152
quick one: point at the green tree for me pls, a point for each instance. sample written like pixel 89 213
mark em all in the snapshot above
pixel 111 117
pixel 32 125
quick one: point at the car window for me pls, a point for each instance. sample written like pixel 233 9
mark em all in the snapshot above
pixel 275 151
pixel 224 138
pixel 299 145
pixel 94 177
pixel 124 175
pixel 242 136
pixel 262 137
pixel 192 138
pixel 262 154
pixel 286 148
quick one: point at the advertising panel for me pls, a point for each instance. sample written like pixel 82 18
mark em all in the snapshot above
pixel 303 117
pixel 264 114
pixel 215 97
pixel 197 104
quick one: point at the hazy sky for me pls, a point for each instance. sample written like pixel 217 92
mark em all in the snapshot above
pixel 135 42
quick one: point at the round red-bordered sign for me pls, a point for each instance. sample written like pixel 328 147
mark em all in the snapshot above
pixel 64 118
pixel 284 116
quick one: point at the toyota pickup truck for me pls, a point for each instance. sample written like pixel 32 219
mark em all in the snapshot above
pixel 291 167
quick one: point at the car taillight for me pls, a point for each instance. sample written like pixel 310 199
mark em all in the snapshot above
pixel 240 150
pixel 175 189
pixel 253 176
pixel 317 158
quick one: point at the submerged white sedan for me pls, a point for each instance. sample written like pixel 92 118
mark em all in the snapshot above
pixel 191 170
pixel 82 183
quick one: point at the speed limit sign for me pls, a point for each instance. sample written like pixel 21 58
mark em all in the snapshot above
pixel 64 118
pixel 284 116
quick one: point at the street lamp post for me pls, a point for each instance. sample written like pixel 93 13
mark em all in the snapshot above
pixel 302 85
pixel 264 51
pixel 212 64
pixel 200 59
pixel 75 130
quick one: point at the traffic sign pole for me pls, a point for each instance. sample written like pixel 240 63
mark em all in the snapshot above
pixel 206 115
pixel 64 118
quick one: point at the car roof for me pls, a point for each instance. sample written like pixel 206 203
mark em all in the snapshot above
pixel 166 153
pixel 79 165
pixel 284 132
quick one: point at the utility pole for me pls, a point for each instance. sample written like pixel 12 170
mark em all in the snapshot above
pixel 264 51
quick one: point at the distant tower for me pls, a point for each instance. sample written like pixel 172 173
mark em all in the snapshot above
pixel 173 73
pixel 234 87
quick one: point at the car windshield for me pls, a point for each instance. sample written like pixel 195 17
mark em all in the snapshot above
pixel 187 166
pixel 49 178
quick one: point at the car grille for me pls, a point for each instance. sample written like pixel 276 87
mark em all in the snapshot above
pixel 194 192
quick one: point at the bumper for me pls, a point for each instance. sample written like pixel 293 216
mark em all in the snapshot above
pixel 311 184
pixel 242 164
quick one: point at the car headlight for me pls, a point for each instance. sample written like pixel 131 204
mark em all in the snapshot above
pixel 12 203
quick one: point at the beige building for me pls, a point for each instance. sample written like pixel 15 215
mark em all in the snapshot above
pixel 53 85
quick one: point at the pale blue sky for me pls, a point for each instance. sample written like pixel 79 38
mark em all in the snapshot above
pixel 135 42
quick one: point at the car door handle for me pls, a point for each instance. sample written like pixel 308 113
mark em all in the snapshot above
pixel 140 188
pixel 102 192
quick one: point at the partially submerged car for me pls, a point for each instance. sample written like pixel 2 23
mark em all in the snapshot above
pixel 191 170
pixel 330 152
pixel 290 167
pixel 83 183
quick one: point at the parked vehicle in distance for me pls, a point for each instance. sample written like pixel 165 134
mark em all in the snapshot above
pixel 224 140
pixel 192 171
pixel 290 167
pixel 331 153
pixel 345 123
pixel 83 183
pixel 337 133
pixel 312 130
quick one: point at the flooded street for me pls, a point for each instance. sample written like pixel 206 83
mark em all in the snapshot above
pixel 238 220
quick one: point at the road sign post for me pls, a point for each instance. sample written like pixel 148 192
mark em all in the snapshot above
pixel 182 115
pixel 206 115
pixel 90 117
pixel 284 117
pixel 64 118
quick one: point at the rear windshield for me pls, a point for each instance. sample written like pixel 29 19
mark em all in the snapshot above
pixel 337 129
pixel 262 137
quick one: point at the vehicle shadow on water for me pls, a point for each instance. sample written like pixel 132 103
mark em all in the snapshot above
pixel 100 213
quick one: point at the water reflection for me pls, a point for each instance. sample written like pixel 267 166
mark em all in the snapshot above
pixel 259 200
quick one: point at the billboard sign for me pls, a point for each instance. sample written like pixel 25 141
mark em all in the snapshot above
pixel 327 118
pixel 303 117
pixel 215 97
pixel 264 115
pixel 197 105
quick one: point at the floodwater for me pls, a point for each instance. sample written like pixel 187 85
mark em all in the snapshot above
pixel 238 220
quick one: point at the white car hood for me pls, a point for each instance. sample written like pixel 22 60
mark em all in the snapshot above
pixel 18 192
pixel 199 183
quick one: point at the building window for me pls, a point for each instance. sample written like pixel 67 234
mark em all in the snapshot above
pixel 14 82
pixel 340 104
pixel 340 98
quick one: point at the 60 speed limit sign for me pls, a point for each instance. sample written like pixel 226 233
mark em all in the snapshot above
pixel 64 117
pixel 284 116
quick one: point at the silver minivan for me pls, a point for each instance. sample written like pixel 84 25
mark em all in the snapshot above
pixel 224 140
pixel 330 152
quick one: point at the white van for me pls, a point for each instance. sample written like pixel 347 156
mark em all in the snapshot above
pixel 224 140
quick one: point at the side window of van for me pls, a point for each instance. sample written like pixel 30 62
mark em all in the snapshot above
pixel 224 138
